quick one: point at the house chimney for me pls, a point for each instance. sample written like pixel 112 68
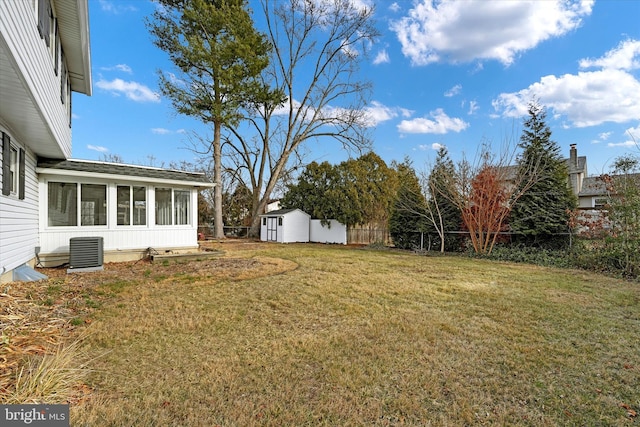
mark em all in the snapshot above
pixel 573 156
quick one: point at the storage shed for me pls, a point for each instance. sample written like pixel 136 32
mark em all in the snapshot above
pixel 285 226
pixel 294 225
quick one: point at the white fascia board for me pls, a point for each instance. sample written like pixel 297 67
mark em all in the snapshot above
pixel 113 177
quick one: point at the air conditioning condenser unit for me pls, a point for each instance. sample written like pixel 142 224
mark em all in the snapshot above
pixel 86 253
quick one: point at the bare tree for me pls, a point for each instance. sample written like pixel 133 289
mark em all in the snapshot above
pixel 317 49
pixel 485 191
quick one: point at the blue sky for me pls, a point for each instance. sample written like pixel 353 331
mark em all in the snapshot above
pixel 452 73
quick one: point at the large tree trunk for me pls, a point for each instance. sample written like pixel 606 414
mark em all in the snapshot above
pixel 218 229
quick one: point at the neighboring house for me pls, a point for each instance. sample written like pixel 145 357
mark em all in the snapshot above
pixel 44 58
pixel 591 191
pixel 577 168
pixel 294 225
pixel 273 205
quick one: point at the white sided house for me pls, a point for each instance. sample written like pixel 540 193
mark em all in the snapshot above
pixel 47 199
pixel 135 210
pixel 294 225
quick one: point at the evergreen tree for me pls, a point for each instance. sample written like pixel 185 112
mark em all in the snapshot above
pixel 355 192
pixel 409 211
pixel 320 191
pixel 371 185
pixel 542 213
pixel 219 56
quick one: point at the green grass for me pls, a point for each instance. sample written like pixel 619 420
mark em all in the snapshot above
pixel 366 337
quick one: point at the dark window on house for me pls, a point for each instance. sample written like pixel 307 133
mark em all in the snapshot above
pixel 599 202
pixel 62 201
pixel 132 205
pixel 163 206
pixel 172 206
pixel 44 20
pixel 6 164
pixel 56 50
pixel 264 221
pixel 13 168
pixel 93 199
pixel 280 221
pixel 21 173
pixel 181 206
pixel 124 205
pixel 139 206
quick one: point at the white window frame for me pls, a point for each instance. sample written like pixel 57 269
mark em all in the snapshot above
pixel 132 209
pixel 83 207
pixel 173 208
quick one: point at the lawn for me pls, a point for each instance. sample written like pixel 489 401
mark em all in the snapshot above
pixel 313 335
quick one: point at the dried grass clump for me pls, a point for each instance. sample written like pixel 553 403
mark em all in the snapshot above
pixel 51 377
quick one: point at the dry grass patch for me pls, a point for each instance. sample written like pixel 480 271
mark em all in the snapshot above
pixel 41 323
pixel 353 337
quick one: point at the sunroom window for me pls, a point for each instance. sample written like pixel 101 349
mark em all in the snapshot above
pixel 93 204
pixel 163 206
pixel 62 204
pixel 182 207
pixel 172 206
pixel 132 205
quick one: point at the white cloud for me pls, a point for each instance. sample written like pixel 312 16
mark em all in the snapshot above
pixel 473 107
pixel 124 68
pixel 132 90
pixel 633 138
pixel 435 146
pixel 381 58
pixel 634 132
pixel 116 7
pixel 588 98
pixel 453 91
pixel 624 57
pixel 377 113
pixel 604 135
pixel 394 7
pixel 463 31
pixel 440 124
pixel 97 148
pixel 629 143
pixel 160 131
pixel 119 67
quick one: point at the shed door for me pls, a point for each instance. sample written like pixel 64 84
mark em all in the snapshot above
pixel 272 229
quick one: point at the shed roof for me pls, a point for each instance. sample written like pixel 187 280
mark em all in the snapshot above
pixel 123 171
pixel 281 212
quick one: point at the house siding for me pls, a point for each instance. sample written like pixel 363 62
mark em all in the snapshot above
pixel 35 65
pixel 117 238
pixel 19 220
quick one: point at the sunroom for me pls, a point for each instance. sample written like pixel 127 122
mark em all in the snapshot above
pixel 136 210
